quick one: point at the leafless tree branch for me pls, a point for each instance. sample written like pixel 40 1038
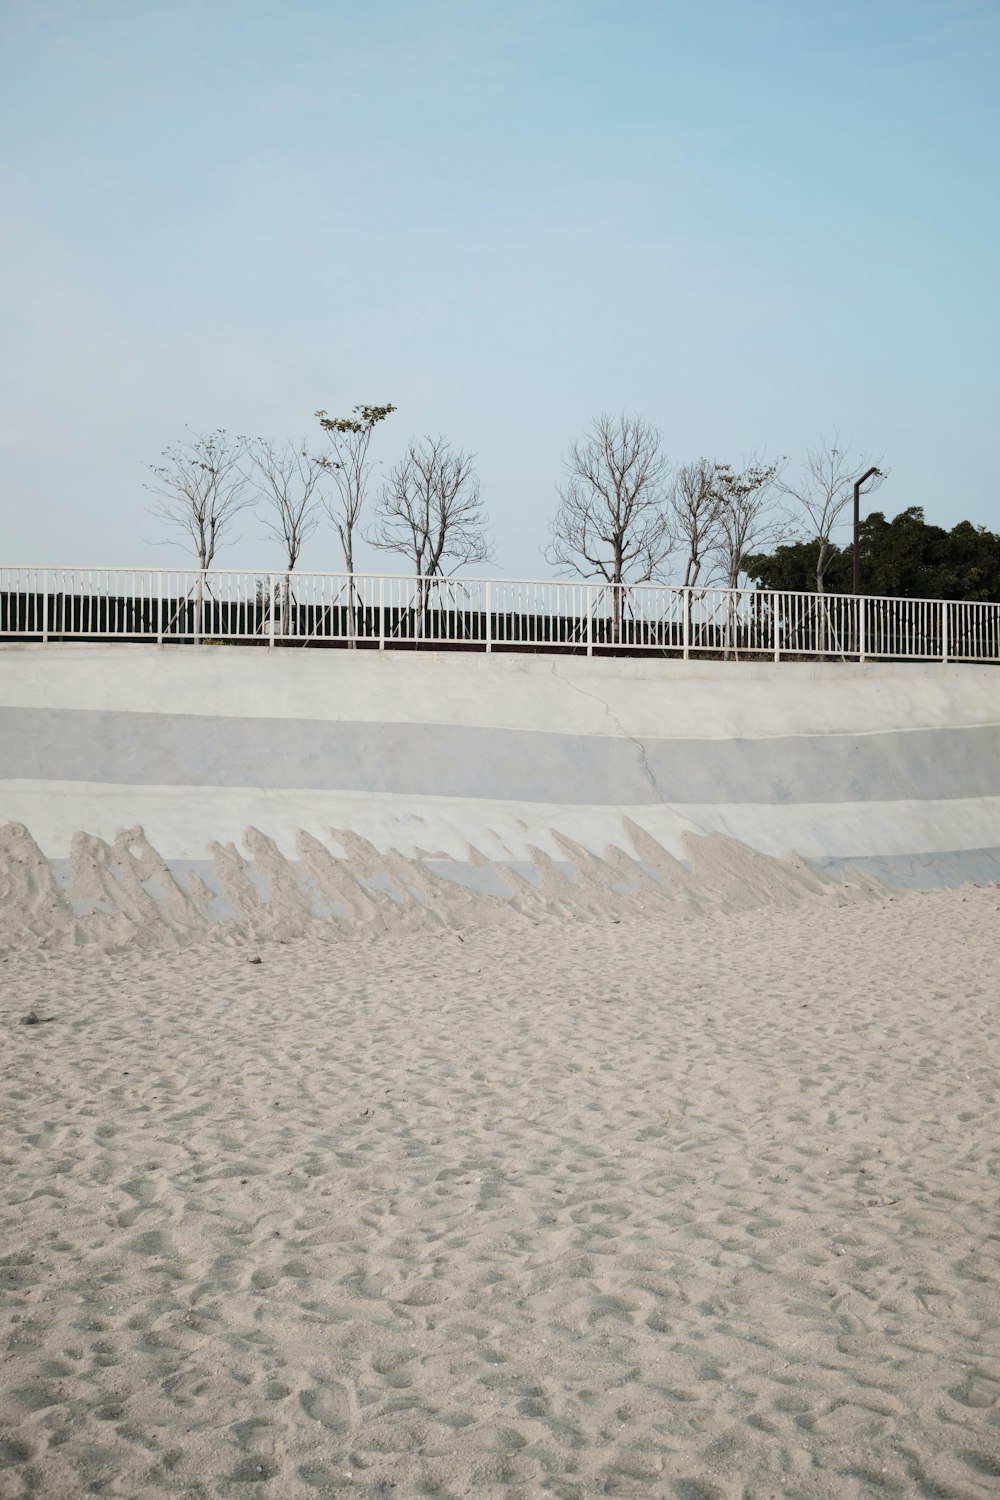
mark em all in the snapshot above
pixel 348 465
pixel 823 491
pixel 201 487
pixel 430 509
pixel 695 502
pixel 287 480
pixel 612 521
pixel 750 516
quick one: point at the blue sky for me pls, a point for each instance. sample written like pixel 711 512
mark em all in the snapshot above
pixel 753 223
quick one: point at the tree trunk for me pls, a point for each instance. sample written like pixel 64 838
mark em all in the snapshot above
pixel 733 586
pixel 418 632
pixel 199 609
pixel 353 603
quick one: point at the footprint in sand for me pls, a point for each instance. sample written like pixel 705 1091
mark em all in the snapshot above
pixel 264 1278
pixel 153 1243
pixel 330 1404
pixel 13 1451
pixel 262 1456
pixel 143 1194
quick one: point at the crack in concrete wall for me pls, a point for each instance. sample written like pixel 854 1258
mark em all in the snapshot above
pixel 644 765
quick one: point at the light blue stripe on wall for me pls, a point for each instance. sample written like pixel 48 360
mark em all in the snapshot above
pixel 453 761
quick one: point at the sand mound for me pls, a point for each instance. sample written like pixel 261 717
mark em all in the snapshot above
pixel 124 892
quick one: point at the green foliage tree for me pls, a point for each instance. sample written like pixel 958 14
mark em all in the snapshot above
pixel 903 558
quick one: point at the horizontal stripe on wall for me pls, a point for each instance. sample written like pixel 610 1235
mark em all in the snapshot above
pixel 455 761
pixel 183 821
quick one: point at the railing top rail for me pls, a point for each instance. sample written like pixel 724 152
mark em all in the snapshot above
pixel 598 584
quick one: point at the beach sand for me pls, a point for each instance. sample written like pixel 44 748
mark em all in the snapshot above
pixel 700 1206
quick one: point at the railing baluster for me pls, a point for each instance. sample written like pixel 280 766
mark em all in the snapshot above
pixel 195 605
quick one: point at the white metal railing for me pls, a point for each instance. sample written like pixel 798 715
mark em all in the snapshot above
pixel 184 605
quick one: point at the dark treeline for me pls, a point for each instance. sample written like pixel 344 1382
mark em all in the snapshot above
pixel 904 557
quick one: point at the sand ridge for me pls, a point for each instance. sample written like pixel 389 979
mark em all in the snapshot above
pixel 696 1203
pixel 123 892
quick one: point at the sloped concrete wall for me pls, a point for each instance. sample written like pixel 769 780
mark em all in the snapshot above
pixel 433 754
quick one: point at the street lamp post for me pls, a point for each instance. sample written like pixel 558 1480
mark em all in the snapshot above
pixel 871 473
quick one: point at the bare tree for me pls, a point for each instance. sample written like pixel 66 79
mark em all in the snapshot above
pixel 612 521
pixel 347 463
pixel 429 509
pixel 750 516
pixel 824 490
pixel 201 487
pixel 694 506
pixel 350 438
pixel 287 480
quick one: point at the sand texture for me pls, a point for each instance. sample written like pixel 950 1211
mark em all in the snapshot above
pixel 697 1207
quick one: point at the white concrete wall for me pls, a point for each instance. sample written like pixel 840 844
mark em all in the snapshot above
pixel 432 753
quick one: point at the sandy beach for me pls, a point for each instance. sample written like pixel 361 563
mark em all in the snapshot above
pixel 700 1206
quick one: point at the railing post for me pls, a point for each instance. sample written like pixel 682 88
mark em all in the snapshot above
pixel 106 603
pixel 944 630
